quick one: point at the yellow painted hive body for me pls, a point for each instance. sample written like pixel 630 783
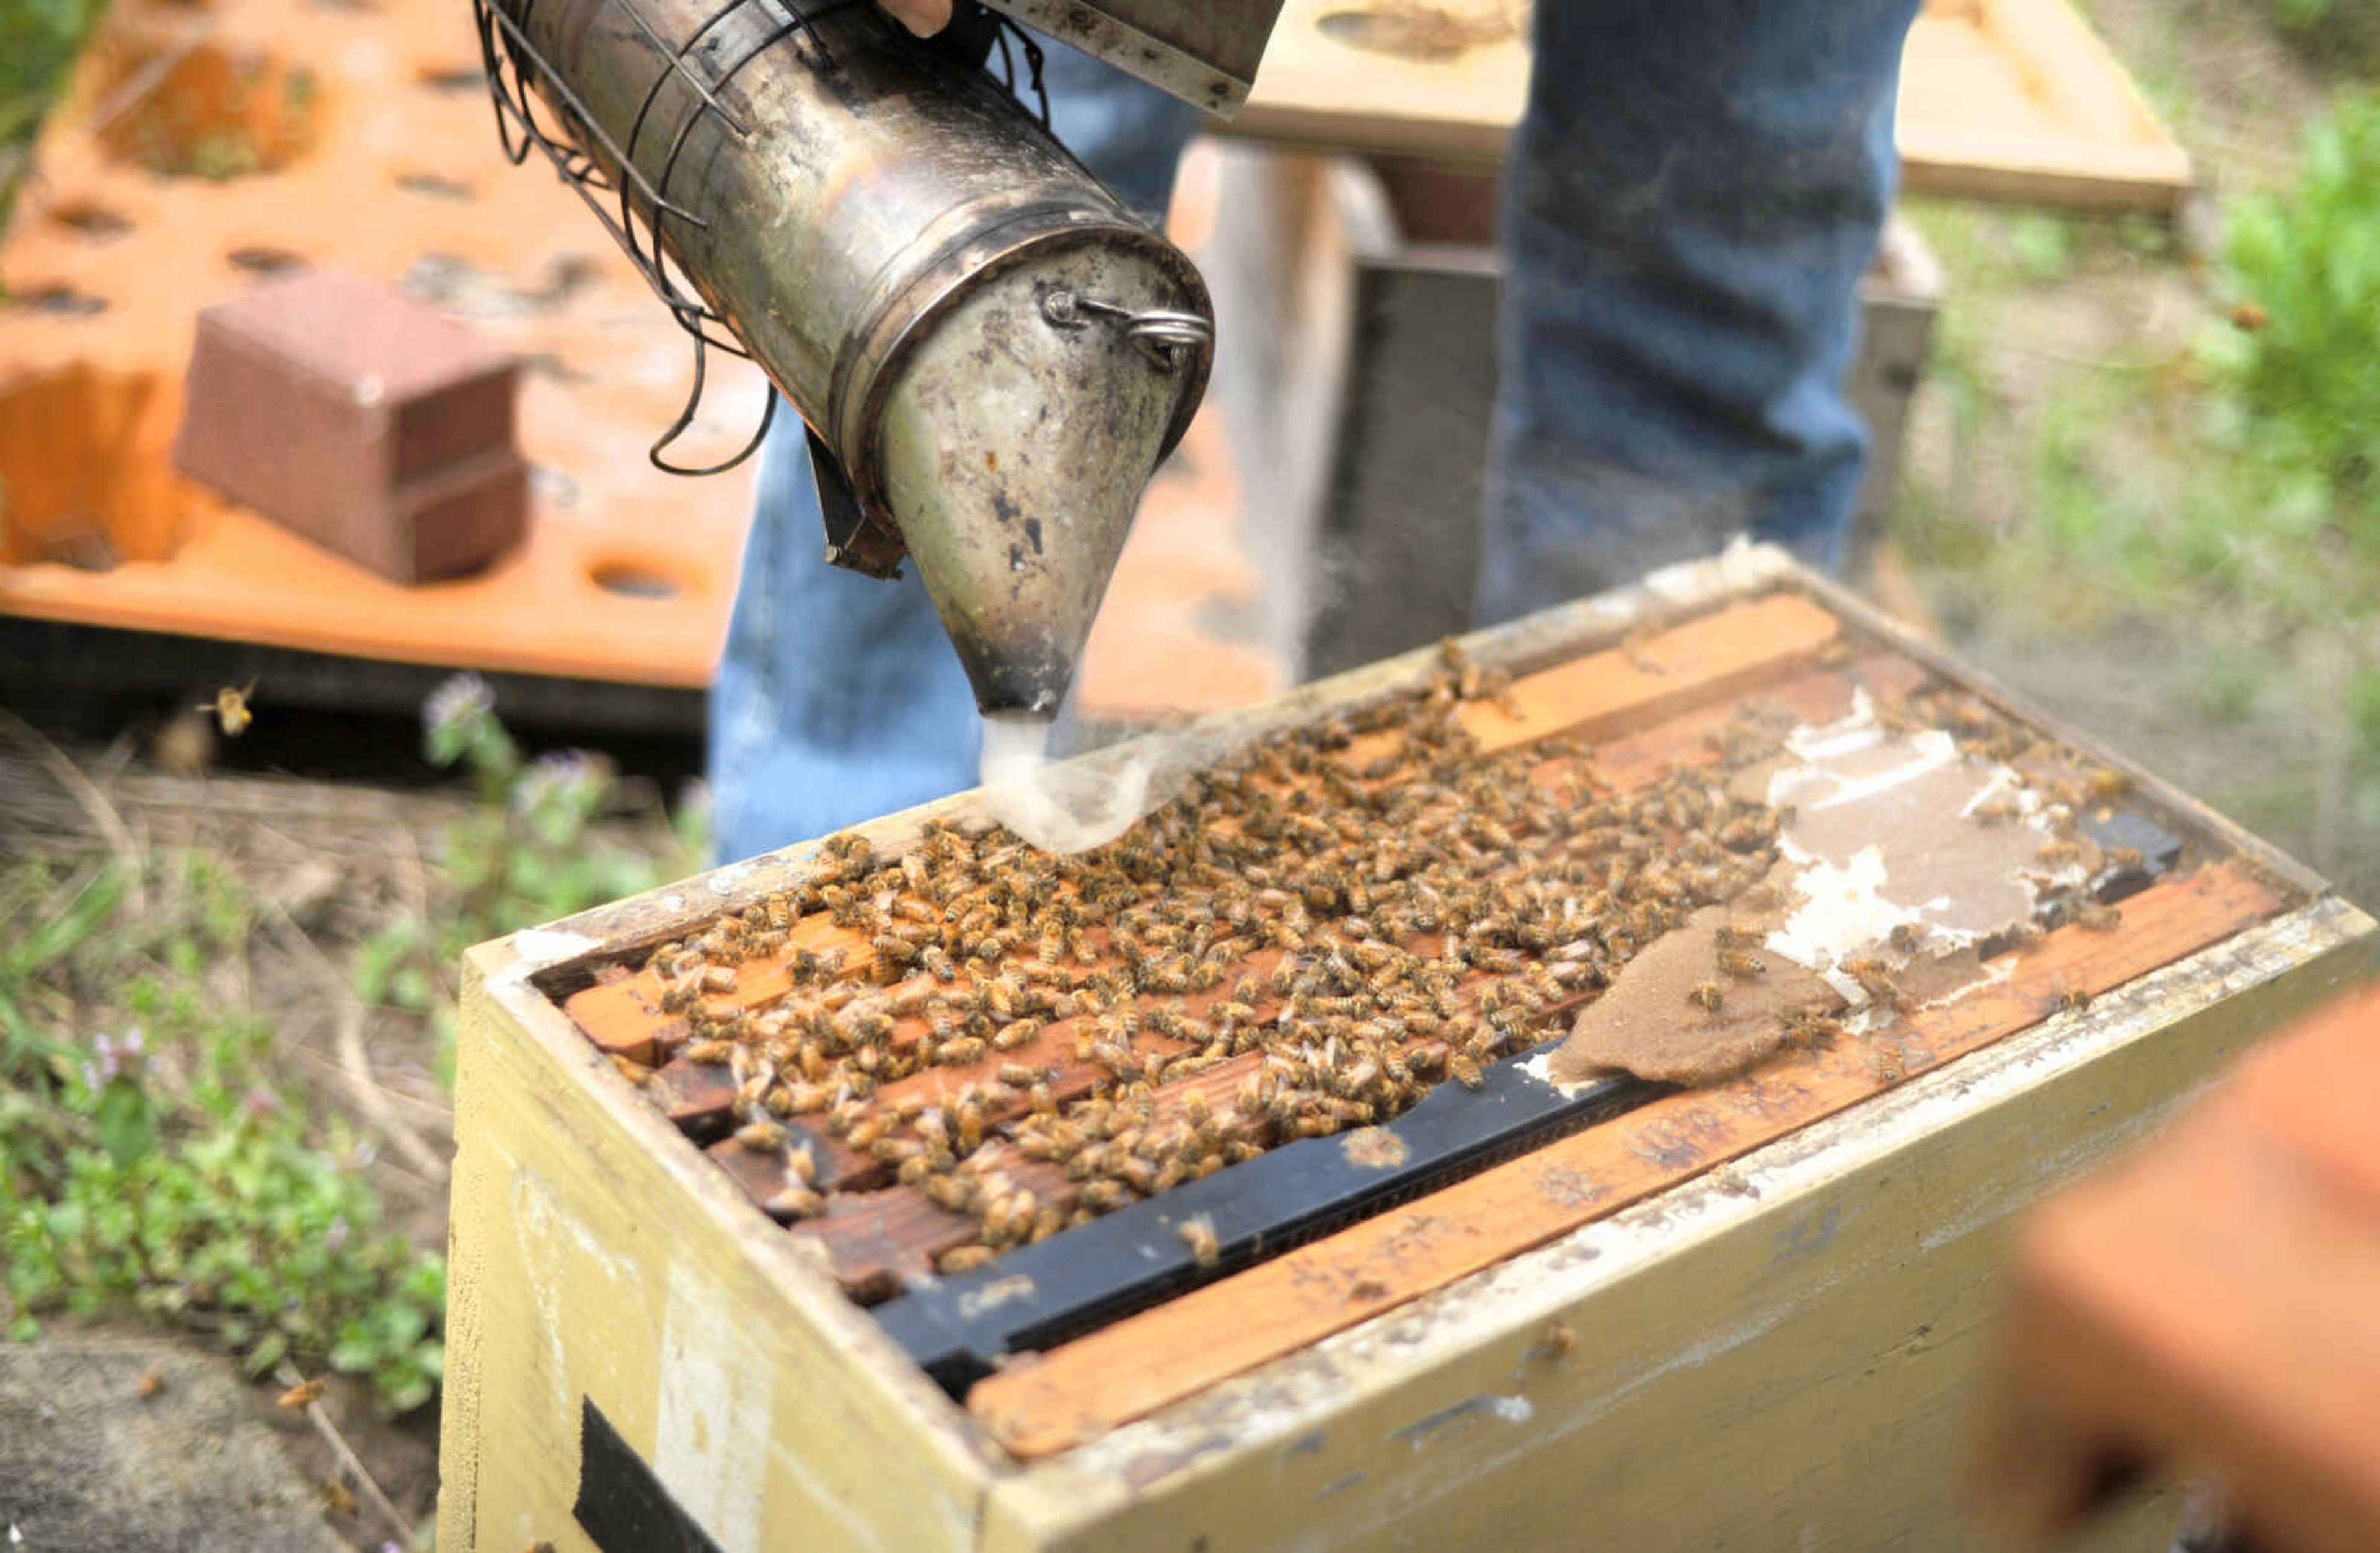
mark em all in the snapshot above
pixel 1746 1308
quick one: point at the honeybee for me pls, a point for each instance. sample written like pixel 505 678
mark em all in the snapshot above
pixel 795 1202
pixel 762 1137
pixel 230 709
pixel 2105 785
pixel 2074 998
pixel 2125 857
pixel 2099 918
pixel 1736 962
pixel 1199 1236
pixel 1875 978
pixel 1995 811
pixel 1706 996
pixel 1465 1070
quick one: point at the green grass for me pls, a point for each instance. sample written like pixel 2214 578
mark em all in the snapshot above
pixel 152 1156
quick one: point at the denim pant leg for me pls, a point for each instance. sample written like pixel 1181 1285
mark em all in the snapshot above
pixel 1693 196
pixel 837 697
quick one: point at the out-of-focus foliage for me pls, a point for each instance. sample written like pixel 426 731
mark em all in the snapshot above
pixel 39 39
pixel 154 1156
pixel 2304 370
pixel 2337 34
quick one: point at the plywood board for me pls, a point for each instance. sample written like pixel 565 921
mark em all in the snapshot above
pixel 2002 99
pixel 399 177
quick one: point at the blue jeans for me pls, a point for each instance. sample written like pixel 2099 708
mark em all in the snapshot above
pixel 1691 200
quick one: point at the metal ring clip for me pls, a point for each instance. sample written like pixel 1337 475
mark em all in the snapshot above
pixel 1157 332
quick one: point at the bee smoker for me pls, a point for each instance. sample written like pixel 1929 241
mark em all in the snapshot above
pixel 991 354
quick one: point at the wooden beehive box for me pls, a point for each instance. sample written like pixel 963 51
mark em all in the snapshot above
pixel 1745 1311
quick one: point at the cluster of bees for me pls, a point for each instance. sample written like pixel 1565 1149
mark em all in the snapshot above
pixel 1315 934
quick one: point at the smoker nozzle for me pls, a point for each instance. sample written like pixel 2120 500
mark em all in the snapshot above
pixel 1016 444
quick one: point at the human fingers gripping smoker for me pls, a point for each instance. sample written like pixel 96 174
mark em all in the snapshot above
pixel 925 18
pixel 989 351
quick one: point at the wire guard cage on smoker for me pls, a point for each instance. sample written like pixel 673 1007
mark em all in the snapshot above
pixel 990 352
pixel 626 197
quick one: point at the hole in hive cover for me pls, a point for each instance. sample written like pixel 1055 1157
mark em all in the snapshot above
pixel 260 260
pixel 58 297
pixel 451 78
pixel 633 580
pixel 208 112
pixel 90 218
pixel 82 479
pixel 436 185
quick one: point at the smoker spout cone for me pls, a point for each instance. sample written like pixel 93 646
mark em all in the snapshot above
pixel 1015 452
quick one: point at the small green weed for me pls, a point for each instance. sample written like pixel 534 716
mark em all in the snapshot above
pixel 527 852
pixel 151 1156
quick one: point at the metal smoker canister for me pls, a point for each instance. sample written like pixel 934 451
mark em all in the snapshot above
pixel 991 351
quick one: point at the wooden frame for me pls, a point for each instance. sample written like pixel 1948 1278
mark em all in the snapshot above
pixel 1779 1340
pixel 2000 99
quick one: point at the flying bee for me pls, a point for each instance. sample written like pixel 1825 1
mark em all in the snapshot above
pixel 230 709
